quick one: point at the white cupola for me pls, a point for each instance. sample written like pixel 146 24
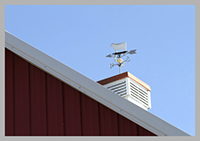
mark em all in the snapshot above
pixel 129 87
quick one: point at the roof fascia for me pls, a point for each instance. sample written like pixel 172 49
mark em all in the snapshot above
pixel 91 88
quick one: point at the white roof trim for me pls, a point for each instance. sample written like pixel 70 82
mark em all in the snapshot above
pixel 91 88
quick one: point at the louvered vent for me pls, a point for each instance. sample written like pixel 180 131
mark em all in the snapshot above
pixel 131 91
pixel 119 88
pixel 139 94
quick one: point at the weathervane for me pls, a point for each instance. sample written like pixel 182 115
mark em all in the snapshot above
pixel 118 55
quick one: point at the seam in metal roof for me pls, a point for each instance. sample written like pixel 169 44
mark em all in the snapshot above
pixel 91 88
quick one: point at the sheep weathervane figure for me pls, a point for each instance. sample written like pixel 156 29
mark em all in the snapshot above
pixel 118 55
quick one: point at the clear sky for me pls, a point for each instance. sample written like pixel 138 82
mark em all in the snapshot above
pixel 80 37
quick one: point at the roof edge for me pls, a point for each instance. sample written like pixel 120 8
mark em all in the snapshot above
pixel 91 88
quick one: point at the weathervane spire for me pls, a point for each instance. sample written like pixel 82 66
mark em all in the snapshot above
pixel 118 55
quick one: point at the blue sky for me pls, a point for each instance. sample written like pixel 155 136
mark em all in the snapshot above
pixel 80 36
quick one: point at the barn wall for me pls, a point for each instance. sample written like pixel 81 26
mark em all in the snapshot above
pixel 38 104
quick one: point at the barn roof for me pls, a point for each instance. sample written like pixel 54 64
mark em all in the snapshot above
pixel 91 88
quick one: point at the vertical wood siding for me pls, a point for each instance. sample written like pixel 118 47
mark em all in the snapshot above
pixel 89 116
pixel 72 111
pixel 38 104
pixel 54 107
pixel 108 121
pixel 9 99
pixel 127 127
pixel 21 97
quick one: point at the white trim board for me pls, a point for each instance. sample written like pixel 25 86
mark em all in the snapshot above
pixel 91 88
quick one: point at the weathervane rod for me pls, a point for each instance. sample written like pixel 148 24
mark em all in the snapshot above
pixel 118 55
pixel 120 69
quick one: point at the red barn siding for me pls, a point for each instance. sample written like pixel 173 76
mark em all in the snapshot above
pixel 9 99
pixel 143 132
pixel 39 104
pixel 21 97
pixel 72 111
pixel 127 127
pixel 54 107
pixel 89 116
pixel 108 121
